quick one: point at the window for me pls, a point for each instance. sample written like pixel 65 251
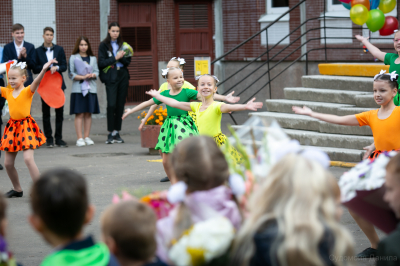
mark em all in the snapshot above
pixel 379 38
pixel 334 8
pixel 275 8
pixel 335 5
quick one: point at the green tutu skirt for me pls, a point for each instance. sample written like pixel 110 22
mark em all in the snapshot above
pixel 175 129
pixel 220 139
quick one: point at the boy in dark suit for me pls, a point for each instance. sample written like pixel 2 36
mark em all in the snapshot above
pixel 44 53
pixel 388 252
pixel 21 50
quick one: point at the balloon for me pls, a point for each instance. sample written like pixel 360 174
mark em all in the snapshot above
pixel 360 2
pixel 348 6
pixel 387 5
pixel 359 14
pixel 374 4
pixel 345 1
pixel 391 24
pixel 376 20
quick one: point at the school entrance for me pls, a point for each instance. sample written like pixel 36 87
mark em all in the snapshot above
pixel 138 26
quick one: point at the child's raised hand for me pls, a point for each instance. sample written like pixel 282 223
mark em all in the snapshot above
pixel 48 64
pixel 126 113
pixel 253 106
pixel 231 99
pixel 302 111
pixel 153 93
pixel 361 38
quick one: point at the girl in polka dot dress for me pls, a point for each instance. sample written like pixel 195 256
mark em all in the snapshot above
pixel 178 125
pixel 21 132
pixel 209 112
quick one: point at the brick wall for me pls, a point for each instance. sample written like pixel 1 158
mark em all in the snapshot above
pixel 166 30
pixel 75 18
pixel 113 11
pixel 5 21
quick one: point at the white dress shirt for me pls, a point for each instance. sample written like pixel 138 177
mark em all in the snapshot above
pixel 50 55
pixel 18 48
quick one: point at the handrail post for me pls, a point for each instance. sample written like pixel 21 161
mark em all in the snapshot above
pixel 326 58
pixel 269 76
pixel 307 63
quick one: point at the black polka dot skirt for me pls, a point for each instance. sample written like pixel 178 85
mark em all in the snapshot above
pixel 175 129
pixel 22 134
pixel 221 139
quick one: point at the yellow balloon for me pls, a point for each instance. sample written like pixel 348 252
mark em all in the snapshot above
pixel 387 6
pixel 359 14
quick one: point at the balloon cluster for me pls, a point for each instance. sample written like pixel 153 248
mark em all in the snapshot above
pixel 366 11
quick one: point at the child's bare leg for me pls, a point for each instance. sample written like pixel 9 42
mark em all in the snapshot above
pixel 166 164
pixel 9 161
pixel 87 123
pixel 367 228
pixel 78 125
pixel 30 163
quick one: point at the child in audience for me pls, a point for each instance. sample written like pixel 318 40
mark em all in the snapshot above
pixel 129 230
pixel 389 248
pixel 60 209
pixel 292 220
pixel 202 173
pixel 6 258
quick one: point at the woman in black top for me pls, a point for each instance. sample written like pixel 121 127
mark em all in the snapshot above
pixel 116 79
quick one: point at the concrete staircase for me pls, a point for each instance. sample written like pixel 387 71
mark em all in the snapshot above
pixel 339 95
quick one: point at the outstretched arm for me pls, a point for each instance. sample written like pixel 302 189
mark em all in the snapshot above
pixel 151 111
pixel 251 105
pixel 371 48
pixel 141 106
pixel 222 98
pixel 168 101
pixel 36 81
pixel 348 120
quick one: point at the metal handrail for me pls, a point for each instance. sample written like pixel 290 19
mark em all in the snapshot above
pixel 269 49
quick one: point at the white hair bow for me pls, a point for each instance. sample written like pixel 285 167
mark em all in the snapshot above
pixel 22 65
pixel 181 60
pixel 215 77
pixel 164 72
pixel 393 75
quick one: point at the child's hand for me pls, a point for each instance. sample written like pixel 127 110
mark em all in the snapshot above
pixel 253 106
pixel 368 150
pixel 231 99
pixel 120 54
pixel 302 111
pixel 126 113
pixel 361 38
pixel 142 124
pixel 153 93
pixel 48 64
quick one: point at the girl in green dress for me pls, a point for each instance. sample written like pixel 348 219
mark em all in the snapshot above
pixel 178 125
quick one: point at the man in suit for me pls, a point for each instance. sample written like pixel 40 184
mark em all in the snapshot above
pixel 388 252
pixel 21 50
pixel 45 53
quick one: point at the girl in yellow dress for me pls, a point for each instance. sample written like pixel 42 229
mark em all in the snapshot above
pixel 209 112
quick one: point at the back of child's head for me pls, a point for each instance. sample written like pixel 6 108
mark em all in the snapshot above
pixel 392 81
pixel 393 166
pixel 301 197
pixel 3 208
pixel 60 200
pixel 199 163
pixel 132 226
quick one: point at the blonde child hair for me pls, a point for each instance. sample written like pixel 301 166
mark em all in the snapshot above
pixel 301 197
pixel 22 72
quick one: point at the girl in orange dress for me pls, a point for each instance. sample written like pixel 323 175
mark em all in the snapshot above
pixel 21 132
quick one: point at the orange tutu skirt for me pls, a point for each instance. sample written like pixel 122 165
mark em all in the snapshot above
pixel 376 154
pixel 22 134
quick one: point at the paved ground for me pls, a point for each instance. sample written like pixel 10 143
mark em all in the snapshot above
pixel 108 169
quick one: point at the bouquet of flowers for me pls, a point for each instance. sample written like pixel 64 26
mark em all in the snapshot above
pixel 203 242
pixel 128 53
pixel 6 258
pixel 362 190
pixel 157 118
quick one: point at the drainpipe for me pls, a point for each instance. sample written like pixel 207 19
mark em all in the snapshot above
pixel 219 68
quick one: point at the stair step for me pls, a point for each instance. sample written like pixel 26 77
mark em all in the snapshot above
pixel 343 155
pixel 311 138
pixel 285 106
pixel 353 110
pixel 338 82
pixel 302 122
pixel 324 95
pixel 366 101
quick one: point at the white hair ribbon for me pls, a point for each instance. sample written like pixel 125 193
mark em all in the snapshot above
pixel 380 73
pixel 177 192
pixel 180 60
pixel 393 75
pixel 215 77
pixel 237 185
pixel 164 72
pixel 22 65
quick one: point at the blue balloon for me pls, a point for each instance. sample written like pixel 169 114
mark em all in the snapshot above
pixel 348 6
pixel 374 4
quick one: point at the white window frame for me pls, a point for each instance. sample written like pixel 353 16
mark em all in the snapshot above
pixel 275 10
pixel 365 31
pixel 331 7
